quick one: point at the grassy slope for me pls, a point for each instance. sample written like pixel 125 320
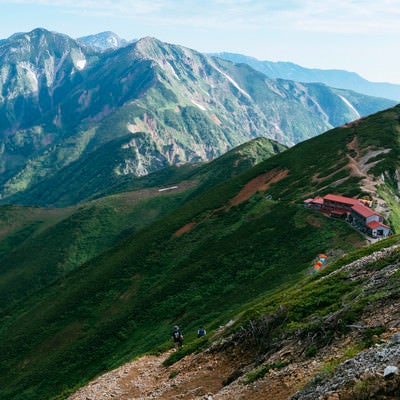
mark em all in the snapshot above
pixel 123 302
pixel 57 241
pixel 65 189
pixel 38 246
pixel 319 163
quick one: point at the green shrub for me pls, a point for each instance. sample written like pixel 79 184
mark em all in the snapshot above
pixel 260 372
pixel 311 351
pixel 370 336
pixel 173 374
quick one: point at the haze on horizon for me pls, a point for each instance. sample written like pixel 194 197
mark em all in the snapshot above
pixel 354 35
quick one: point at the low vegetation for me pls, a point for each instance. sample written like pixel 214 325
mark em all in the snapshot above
pixel 247 260
pixel 105 312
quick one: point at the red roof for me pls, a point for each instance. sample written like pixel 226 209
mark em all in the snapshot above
pixel 341 199
pixel 318 200
pixel 364 210
pixel 376 224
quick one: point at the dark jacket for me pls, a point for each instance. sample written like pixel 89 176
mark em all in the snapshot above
pixel 177 335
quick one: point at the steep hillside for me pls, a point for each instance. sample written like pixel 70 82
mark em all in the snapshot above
pixel 334 78
pixel 153 104
pixel 332 336
pixel 49 243
pixel 227 253
pixel 37 69
pixel 124 302
pixel 63 239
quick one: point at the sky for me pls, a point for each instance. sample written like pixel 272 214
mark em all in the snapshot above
pixel 360 36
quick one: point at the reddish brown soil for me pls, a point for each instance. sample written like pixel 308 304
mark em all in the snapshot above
pixel 184 229
pixel 259 184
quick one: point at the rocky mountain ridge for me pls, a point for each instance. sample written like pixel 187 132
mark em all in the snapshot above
pixel 287 70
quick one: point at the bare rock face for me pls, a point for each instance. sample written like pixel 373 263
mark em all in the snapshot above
pixel 390 370
pixel 374 364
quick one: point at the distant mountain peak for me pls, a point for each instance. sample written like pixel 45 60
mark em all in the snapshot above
pixel 148 45
pixel 104 41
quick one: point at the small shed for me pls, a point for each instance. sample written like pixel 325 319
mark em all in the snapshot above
pixel 378 229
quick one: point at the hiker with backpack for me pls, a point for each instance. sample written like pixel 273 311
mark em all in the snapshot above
pixel 177 337
pixel 201 332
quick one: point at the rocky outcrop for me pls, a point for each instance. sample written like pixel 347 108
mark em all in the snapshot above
pixel 356 374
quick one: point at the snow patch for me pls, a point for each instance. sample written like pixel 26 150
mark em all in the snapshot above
pixel 199 105
pixel 78 58
pixel 81 64
pixel 31 76
pixel 350 106
pixel 173 71
pixel 205 92
pixel 231 80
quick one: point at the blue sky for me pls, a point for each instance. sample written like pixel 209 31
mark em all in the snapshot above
pixel 355 35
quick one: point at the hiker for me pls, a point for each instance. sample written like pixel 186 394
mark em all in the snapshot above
pixel 201 332
pixel 177 337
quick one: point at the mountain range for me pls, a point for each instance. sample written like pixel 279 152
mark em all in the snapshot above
pixel 181 183
pixel 145 106
pixel 331 77
pixel 279 69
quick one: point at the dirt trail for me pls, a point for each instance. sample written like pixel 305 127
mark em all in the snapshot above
pixel 134 380
pixel 194 377
pixel 204 376
pixel 359 166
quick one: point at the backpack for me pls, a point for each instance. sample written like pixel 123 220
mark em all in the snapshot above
pixel 201 332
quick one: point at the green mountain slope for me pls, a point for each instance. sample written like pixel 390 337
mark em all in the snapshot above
pixel 63 239
pixel 154 104
pixel 233 244
pixel 98 169
pixel 124 302
pixel 57 241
